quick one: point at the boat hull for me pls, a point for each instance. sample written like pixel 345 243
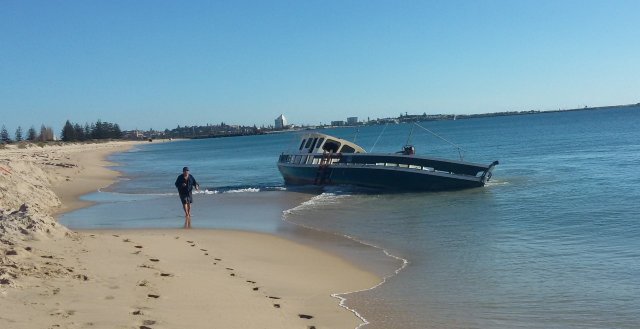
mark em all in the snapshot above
pixel 388 178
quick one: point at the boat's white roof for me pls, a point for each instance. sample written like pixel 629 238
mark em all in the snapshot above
pixel 342 142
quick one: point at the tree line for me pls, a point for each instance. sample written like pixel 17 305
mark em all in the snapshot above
pixel 70 133
pixel 99 130
pixel 46 134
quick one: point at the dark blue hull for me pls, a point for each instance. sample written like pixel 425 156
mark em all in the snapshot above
pixel 388 178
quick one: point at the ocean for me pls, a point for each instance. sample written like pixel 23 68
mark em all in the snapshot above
pixel 553 241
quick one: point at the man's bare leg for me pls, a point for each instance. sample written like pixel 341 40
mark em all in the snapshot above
pixel 185 206
pixel 188 218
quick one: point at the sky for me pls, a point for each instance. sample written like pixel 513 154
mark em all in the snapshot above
pixel 158 64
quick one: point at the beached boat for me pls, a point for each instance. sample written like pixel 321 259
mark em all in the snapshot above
pixel 322 159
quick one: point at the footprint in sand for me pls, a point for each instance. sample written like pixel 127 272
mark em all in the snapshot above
pixel 137 312
pixel 218 259
pixel 153 296
pixel 63 313
pixel 154 259
pixel 136 252
pixel 139 247
pixel 273 297
pixel 252 282
pixel 256 288
pixel 143 283
pixel 166 274
pixel 276 305
pixel 81 277
pixel 305 316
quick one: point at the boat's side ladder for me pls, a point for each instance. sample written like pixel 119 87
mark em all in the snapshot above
pixel 323 176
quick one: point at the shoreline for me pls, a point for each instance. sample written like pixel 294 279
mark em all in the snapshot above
pixel 153 278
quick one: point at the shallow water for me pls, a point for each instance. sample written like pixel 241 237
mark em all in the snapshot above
pixel 551 242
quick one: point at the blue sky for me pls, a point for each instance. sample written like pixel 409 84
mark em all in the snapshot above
pixel 159 64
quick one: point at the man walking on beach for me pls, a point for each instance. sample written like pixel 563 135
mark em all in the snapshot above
pixel 185 184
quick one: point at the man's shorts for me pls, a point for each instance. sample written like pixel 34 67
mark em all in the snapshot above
pixel 186 198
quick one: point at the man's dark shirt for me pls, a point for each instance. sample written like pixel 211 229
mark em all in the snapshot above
pixel 185 190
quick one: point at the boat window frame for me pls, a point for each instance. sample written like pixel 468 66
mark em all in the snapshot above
pixel 331 142
pixel 320 141
pixel 346 148
pixel 306 146
pixel 313 145
pixel 302 144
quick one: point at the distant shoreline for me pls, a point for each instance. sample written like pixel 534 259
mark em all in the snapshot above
pixel 424 118
pixel 223 130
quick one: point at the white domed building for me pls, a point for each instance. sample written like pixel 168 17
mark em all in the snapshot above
pixel 281 122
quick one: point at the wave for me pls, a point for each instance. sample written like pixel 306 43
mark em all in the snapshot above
pixel 240 189
pixel 496 182
pixel 335 196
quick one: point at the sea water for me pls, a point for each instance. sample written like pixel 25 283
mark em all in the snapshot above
pixel 553 241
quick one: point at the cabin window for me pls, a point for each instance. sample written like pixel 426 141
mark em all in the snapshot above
pixel 320 142
pixel 302 144
pixel 347 149
pixel 308 143
pixel 297 159
pixel 331 146
pixel 313 145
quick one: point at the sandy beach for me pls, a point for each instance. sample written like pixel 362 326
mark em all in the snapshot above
pixel 51 277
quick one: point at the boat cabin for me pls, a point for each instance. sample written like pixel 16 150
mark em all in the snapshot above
pixel 321 143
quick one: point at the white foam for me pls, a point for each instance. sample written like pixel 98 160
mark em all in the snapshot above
pixel 494 182
pixel 331 198
pixel 316 201
pixel 244 190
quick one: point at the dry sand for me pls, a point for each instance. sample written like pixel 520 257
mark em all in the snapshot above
pixel 51 277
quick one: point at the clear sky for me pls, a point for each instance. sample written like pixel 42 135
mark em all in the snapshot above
pixel 159 64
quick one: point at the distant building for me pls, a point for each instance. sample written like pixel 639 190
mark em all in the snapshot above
pixel 352 121
pixel 281 122
pixel 337 123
